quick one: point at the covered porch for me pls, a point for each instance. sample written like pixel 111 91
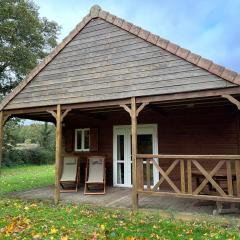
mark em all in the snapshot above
pixel 116 197
pixel 192 147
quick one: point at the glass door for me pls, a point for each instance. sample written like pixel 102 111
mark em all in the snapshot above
pixel 122 165
pixel 120 157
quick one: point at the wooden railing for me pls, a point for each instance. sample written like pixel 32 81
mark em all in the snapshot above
pixel 206 177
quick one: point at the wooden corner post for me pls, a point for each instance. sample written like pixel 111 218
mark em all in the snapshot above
pixel 59 117
pixel 3 119
pixel 134 112
pixel 1 138
pixel 134 154
pixel 58 153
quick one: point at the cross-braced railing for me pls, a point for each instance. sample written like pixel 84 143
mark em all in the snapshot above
pixel 210 177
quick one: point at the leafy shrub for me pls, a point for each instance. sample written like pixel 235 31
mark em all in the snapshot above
pixel 28 156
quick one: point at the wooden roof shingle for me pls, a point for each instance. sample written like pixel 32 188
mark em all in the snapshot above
pixel 97 12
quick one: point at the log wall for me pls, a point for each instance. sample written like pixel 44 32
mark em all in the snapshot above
pixel 185 131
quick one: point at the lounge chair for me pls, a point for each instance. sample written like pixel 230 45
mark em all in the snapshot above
pixel 95 175
pixel 70 174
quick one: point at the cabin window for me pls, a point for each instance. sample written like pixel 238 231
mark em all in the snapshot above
pixel 82 139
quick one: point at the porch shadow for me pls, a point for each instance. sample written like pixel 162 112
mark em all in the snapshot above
pixel 121 198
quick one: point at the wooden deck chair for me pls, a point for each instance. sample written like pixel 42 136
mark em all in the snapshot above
pixel 95 175
pixel 70 174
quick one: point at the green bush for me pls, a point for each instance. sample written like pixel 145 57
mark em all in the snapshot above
pixel 36 156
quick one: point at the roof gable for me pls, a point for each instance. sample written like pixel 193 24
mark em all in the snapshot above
pixel 119 37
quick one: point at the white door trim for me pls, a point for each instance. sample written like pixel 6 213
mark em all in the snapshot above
pixel 126 131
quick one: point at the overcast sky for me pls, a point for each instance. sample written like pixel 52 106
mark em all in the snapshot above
pixel 210 28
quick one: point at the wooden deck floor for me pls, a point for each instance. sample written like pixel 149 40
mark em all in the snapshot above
pixel 121 198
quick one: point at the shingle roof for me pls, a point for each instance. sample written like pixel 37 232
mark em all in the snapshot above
pixel 97 12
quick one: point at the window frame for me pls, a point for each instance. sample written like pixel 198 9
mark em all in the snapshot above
pixel 82 149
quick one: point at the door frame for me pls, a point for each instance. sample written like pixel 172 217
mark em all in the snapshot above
pixel 126 131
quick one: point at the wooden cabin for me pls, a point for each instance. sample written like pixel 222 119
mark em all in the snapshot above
pixel 166 120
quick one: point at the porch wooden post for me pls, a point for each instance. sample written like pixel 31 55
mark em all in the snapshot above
pixel 134 112
pixel 58 153
pixel 3 120
pixel 134 153
pixel 1 138
pixel 59 117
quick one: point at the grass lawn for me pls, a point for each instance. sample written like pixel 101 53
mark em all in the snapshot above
pixel 42 220
pixel 25 177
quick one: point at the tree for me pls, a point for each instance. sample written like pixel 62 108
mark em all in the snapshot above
pixel 25 39
pixel 11 136
pixel 45 136
pixel 40 133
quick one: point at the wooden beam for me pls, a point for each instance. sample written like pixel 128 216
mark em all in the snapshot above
pixel 141 108
pixel 189 175
pixel 140 175
pixel 165 176
pixel 229 178
pixel 53 113
pixel 6 117
pixel 59 116
pixel 189 95
pixel 3 119
pixel 232 100
pixel 160 98
pixel 182 174
pixel 186 195
pixel 30 110
pixel 169 170
pixel 209 177
pixel 237 169
pixel 134 153
pixel 148 174
pixel 1 138
pixel 201 157
pixel 58 153
pixel 65 114
pixel 127 109
pixel 134 112
pixel 206 180
pixel 83 105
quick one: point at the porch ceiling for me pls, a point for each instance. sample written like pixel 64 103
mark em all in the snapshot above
pixel 100 112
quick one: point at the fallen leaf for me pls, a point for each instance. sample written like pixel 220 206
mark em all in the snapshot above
pixel 53 230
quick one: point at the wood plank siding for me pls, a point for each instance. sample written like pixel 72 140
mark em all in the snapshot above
pixel 210 130
pixel 105 62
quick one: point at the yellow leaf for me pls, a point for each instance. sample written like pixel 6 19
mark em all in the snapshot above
pixel 37 237
pixel 64 237
pixel 10 228
pixel 102 227
pixel 53 230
